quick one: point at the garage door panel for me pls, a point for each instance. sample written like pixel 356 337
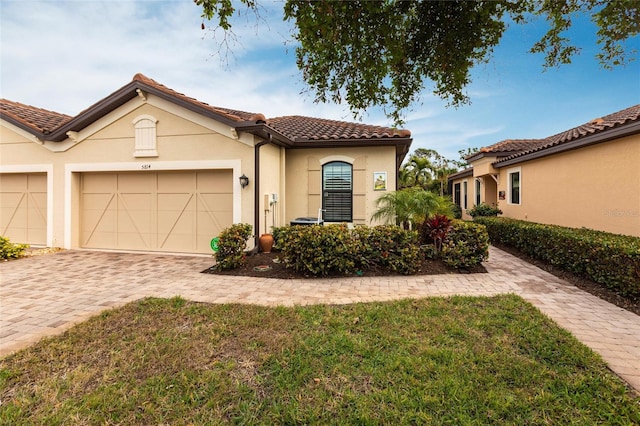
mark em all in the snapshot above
pixel 23 207
pixel 99 182
pixel 176 211
pixel 218 181
pixel 215 202
pixel 175 202
pixel 136 183
pixel 175 182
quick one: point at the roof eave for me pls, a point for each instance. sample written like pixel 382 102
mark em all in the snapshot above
pixel 119 98
pixel 604 136
pixel 9 118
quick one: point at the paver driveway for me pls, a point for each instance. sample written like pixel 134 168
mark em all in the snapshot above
pixel 44 295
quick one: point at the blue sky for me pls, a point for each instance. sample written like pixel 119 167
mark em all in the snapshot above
pixel 67 55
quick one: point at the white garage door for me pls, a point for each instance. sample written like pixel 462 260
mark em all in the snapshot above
pixel 173 211
pixel 23 207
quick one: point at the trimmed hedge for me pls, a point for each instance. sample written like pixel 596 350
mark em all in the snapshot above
pixel 466 245
pixel 608 259
pixel 335 249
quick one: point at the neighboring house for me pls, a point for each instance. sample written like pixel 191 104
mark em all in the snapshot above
pixel 588 176
pixel 150 169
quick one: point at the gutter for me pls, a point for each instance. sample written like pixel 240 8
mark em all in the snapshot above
pixel 256 192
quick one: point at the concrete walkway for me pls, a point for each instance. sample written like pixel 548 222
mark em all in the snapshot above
pixel 45 295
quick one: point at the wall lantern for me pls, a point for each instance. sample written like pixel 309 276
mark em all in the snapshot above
pixel 244 181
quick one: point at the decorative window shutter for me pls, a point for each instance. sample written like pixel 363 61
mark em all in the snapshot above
pixel 145 136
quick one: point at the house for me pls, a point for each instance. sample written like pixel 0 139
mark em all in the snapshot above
pixel 150 169
pixel 588 176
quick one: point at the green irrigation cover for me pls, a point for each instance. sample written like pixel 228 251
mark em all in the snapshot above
pixel 214 244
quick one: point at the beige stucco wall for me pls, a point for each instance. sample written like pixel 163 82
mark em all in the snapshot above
pixel 470 195
pixel 185 140
pixel 304 179
pixel 597 187
pixel 272 159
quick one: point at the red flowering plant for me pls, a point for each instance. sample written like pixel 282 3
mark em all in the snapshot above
pixel 435 230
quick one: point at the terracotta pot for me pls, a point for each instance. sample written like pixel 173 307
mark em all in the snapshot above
pixel 266 243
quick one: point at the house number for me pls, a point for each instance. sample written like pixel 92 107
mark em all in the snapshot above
pixel 146 166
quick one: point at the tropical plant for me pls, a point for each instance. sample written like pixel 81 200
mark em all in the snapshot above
pixel 410 207
pixel 434 230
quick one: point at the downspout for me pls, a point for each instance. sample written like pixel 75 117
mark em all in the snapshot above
pixel 256 194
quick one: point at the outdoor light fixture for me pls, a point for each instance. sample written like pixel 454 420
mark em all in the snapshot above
pixel 244 181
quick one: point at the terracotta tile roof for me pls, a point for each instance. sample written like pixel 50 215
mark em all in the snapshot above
pixel 41 120
pixel 513 145
pixel 299 128
pixel 514 148
pixel 232 114
pixel 294 128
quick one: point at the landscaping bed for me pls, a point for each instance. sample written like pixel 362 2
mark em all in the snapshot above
pixel 268 265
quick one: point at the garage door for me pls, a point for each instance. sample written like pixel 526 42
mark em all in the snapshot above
pixel 173 211
pixel 23 207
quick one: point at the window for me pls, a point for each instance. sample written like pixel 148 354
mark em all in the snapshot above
pixel 477 191
pixel 145 132
pixel 456 194
pixel 514 187
pixel 464 194
pixel 337 192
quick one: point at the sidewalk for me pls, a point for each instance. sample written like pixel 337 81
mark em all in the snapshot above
pixel 44 295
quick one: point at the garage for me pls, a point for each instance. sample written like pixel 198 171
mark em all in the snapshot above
pixel 169 211
pixel 23 207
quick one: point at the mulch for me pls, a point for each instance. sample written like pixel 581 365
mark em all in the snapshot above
pixel 267 265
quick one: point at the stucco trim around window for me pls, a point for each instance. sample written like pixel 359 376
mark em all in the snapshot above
pixel 514 186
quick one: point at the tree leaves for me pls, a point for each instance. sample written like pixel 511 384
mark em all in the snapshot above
pixel 383 52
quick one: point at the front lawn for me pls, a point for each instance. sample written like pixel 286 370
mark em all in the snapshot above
pixel 457 360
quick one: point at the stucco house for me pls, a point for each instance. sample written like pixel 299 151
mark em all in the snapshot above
pixel 588 176
pixel 150 169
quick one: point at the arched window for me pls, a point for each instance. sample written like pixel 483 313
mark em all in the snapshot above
pixel 337 192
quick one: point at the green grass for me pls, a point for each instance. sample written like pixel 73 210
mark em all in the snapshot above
pixel 456 361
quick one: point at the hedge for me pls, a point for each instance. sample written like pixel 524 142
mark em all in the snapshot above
pixel 335 249
pixel 608 259
pixel 466 245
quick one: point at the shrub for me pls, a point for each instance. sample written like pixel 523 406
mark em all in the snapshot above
pixel 466 245
pixel 393 248
pixel 319 250
pixel 9 250
pixel 605 258
pixel 233 241
pixel 335 249
pixel 484 210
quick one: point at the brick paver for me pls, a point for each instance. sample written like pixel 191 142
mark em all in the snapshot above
pixel 45 295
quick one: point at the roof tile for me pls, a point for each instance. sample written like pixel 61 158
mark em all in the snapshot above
pixel 232 114
pixel 519 147
pixel 41 120
pixel 300 128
